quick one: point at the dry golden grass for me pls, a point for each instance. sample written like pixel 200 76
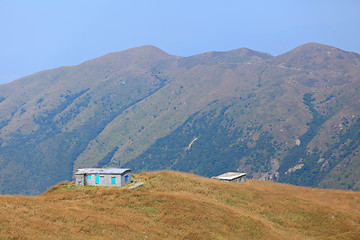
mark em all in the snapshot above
pixel 173 205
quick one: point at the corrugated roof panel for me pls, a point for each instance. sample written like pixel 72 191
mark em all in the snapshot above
pixel 101 171
pixel 230 175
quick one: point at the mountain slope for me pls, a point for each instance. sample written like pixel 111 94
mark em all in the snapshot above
pixel 173 205
pixel 44 130
pixel 292 118
pixel 285 128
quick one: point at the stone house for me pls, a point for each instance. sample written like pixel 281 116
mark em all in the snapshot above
pixel 107 177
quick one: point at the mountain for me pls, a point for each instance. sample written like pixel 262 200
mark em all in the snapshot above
pixel 292 118
pixel 174 205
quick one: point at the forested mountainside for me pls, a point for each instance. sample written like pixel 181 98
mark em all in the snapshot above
pixel 292 118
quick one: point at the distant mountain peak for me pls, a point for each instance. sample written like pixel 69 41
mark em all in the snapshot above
pixel 250 53
pixel 143 54
pixel 315 53
pixel 215 57
pixel 146 49
pixel 313 46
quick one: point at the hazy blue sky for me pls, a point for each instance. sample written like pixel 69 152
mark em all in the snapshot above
pixel 39 35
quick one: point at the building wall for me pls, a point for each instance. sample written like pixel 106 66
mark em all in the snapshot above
pixel 239 179
pixel 106 179
pixel 123 182
pixel 79 180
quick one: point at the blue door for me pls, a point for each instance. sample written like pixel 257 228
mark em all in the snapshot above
pixel 96 179
pixel 113 180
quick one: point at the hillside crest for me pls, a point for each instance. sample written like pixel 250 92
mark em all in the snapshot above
pixel 174 205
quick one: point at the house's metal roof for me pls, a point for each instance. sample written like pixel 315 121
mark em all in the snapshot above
pixel 230 175
pixel 101 171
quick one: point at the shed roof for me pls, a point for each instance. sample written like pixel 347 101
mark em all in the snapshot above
pixel 230 175
pixel 101 171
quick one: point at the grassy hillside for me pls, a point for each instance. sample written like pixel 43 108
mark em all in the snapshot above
pixel 174 205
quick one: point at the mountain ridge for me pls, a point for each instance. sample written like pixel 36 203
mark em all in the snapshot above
pixel 126 108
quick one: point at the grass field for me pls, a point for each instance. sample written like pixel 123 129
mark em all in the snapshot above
pixel 174 205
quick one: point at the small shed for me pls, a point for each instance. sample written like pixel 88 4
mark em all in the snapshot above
pixel 232 177
pixel 107 177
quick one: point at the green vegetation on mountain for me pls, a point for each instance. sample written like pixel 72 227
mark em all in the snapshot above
pixel 309 174
pixel 208 145
pixel 292 118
